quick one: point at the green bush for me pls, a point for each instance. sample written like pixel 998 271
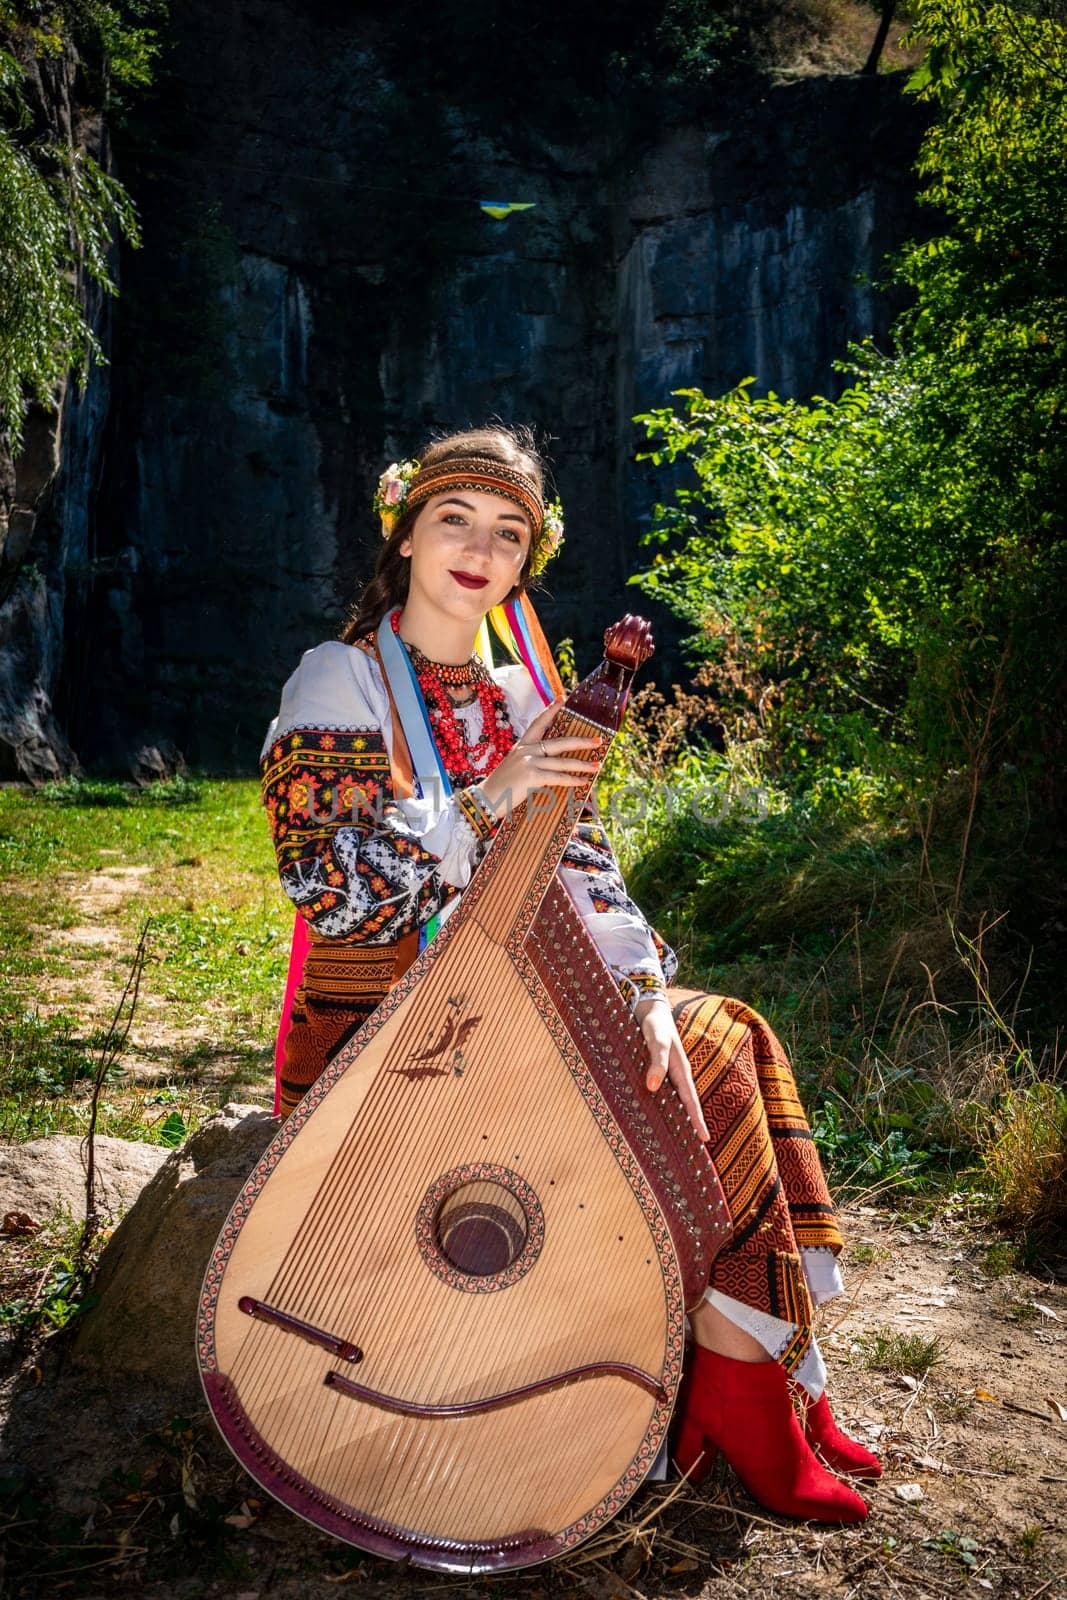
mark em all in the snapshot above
pixel 892 563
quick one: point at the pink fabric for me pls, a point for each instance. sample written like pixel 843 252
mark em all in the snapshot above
pixel 520 646
pixel 297 952
pixel 542 669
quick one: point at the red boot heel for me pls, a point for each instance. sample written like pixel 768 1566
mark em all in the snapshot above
pixel 744 1409
pixel 836 1448
pixel 694 1456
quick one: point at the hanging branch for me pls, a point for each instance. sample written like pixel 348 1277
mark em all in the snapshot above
pixel 111 1049
pixel 870 66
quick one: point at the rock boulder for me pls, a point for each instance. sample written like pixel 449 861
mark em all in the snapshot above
pixel 141 1329
pixel 44 1176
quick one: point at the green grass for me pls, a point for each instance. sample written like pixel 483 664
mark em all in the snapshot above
pixel 1024 1160
pixel 1000 1258
pixel 1029 1538
pixel 217 950
pixel 45 1273
pixel 900 1354
pixel 867 1255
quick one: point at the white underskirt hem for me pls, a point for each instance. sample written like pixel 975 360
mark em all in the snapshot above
pixel 823 1277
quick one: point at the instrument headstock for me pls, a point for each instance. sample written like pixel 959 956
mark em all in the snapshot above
pixel 603 695
pixel 628 642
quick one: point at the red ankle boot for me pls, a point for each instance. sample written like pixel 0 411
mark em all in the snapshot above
pixel 835 1447
pixel 694 1455
pixel 743 1408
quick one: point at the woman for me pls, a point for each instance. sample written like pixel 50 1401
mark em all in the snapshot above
pixel 373 866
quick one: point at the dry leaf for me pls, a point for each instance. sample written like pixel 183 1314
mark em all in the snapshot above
pixel 984 1394
pixel 909 1382
pixel 188 1488
pixel 687 1564
pixel 910 1493
pixel 632 1561
pixel 16 1222
pixel 1060 1410
pixel 238 1521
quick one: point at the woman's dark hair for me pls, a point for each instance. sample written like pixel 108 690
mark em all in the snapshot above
pixel 514 447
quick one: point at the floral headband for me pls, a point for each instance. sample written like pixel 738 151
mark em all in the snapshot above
pixel 406 484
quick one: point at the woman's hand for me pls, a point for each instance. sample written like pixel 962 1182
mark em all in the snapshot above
pixel 667 1059
pixel 535 762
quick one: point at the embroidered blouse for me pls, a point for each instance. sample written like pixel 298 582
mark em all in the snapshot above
pixel 363 866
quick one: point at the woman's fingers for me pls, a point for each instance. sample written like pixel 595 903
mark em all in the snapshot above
pixel 543 719
pixel 578 749
pixel 575 763
pixel 558 747
pixel 535 762
pixel 554 757
pixel 533 734
pixel 659 1062
pixel 668 1059
pixel 682 1078
pixel 545 771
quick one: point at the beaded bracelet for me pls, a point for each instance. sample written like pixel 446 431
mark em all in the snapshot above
pixel 478 812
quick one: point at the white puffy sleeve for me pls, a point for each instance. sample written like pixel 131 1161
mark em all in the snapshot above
pixel 359 863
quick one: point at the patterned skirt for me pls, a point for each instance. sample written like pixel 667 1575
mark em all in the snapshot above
pixel 766 1159
pixel 761 1143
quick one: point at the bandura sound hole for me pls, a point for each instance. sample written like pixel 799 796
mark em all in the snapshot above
pixel 481 1229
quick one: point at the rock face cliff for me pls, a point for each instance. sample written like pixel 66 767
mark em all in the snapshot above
pixel 319 287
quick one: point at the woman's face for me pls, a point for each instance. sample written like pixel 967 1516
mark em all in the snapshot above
pixel 467 550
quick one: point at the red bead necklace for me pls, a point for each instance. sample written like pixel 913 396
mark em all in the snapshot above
pixel 435 679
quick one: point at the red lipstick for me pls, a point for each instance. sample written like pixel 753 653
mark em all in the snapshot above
pixel 468 580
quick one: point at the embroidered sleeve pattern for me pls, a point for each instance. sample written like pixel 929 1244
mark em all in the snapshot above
pixel 350 857
pixel 637 985
pixel 641 962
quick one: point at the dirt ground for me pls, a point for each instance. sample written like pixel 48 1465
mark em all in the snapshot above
pixel 96 949
pixel 974 1498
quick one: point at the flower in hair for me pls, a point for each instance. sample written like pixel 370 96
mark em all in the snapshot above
pixel 549 539
pixel 391 494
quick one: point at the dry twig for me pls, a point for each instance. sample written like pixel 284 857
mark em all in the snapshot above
pixel 109 1052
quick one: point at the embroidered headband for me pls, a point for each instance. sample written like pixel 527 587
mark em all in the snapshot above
pixel 407 484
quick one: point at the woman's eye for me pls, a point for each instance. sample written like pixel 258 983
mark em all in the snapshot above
pixel 457 519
